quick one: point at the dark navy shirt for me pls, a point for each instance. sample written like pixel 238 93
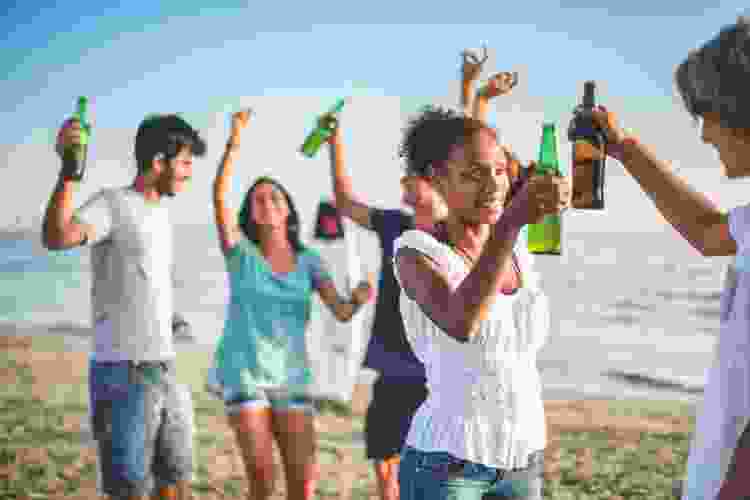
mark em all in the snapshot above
pixel 389 352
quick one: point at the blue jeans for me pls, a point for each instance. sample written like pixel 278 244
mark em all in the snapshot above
pixel 441 476
pixel 142 422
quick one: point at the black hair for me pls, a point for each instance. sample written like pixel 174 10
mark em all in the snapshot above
pixel 249 227
pixel 429 136
pixel 715 77
pixel 166 135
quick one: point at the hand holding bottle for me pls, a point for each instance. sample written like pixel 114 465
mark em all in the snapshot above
pixel 537 196
pixel 68 136
pixel 323 131
pixel 607 121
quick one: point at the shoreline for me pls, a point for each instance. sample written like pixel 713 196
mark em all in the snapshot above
pixel 609 385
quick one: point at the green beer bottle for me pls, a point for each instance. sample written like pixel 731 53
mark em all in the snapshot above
pixel 322 131
pixel 546 236
pixel 74 157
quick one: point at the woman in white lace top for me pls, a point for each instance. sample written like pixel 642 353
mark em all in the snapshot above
pixel 475 317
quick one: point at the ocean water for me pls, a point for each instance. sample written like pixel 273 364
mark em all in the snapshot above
pixel 633 314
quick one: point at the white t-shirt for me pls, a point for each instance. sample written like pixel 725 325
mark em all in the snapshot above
pixel 726 398
pixel 131 261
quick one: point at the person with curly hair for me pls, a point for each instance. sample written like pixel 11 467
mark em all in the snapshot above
pixel 475 316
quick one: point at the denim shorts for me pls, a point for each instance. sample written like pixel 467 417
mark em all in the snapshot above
pixel 441 476
pixel 142 423
pixel 275 399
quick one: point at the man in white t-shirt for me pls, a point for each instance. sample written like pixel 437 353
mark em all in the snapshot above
pixel 140 417
pixel 712 82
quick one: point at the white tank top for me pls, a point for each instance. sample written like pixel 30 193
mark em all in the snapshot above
pixel 485 400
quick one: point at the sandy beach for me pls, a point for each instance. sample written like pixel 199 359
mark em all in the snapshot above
pixel 580 433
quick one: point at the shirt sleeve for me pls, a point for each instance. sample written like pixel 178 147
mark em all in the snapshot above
pixel 386 222
pixel 377 219
pixel 738 219
pixel 97 213
pixel 319 270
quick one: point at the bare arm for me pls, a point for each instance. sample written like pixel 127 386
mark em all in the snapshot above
pixel 467 89
pixel 458 309
pixel 471 69
pixel 226 218
pixel 60 231
pixel 698 220
pixel 346 203
pixel 343 309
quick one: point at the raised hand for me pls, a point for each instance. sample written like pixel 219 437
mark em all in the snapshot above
pixel 330 121
pixel 471 68
pixel 240 119
pixel 68 135
pixel 500 84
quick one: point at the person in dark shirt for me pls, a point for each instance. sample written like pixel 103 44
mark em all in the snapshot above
pixel 400 387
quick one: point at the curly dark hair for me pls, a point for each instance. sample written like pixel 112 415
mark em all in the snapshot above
pixel 429 136
pixel 715 77
pixel 249 227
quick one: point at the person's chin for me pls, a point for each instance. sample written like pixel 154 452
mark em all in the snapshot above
pixel 490 216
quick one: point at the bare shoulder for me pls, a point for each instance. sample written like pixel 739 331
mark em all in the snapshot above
pixel 420 275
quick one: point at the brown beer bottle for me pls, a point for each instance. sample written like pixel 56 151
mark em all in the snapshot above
pixel 588 143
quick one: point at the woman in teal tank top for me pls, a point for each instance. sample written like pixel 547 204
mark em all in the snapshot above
pixel 261 359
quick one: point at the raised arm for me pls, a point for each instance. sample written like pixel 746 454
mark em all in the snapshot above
pixel 226 218
pixel 692 214
pixel 500 84
pixel 60 229
pixel 471 70
pixel 459 306
pixel 346 203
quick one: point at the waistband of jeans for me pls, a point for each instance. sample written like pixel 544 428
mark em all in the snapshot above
pixel 166 365
pixel 534 458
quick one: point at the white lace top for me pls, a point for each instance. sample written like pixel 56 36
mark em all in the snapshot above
pixel 485 402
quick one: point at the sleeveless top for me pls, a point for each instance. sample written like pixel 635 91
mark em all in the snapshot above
pixel 485 400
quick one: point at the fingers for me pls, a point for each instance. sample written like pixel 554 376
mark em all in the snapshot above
pixel 70 132
pixel 550 194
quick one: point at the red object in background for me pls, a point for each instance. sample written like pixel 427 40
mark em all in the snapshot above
pixel 328 225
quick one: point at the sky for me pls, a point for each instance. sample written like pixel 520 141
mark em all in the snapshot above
pixel 290 61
